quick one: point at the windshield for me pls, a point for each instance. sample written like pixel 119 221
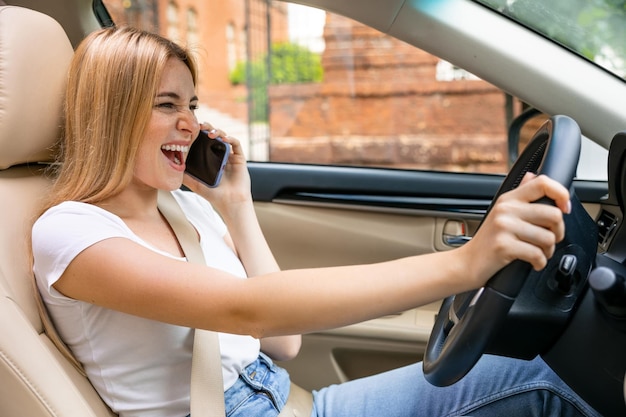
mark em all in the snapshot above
pixel 595 29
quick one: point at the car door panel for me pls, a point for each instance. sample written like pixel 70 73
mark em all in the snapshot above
pixel 316 216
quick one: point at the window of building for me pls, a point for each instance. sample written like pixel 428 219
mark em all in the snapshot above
pixel 448 72
pixel 231 47
pixel 192 27
pixel 173 31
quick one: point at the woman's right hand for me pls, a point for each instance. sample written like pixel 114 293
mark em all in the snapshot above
pixel 518 228
pixel 234 187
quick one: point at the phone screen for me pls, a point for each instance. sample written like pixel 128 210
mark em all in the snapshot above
pixel 207 159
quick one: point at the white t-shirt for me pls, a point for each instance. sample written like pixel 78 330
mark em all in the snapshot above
pixel 139 367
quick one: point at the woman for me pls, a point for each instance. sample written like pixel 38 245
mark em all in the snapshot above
pixel 113 276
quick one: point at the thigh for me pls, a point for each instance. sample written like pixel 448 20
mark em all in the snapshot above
pixel 496 386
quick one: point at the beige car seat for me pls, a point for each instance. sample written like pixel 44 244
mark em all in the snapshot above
pixel 35 379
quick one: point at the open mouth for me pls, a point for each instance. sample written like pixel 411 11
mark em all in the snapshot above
pixel 175 153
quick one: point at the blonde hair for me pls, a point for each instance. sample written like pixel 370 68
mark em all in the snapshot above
pixel 113 80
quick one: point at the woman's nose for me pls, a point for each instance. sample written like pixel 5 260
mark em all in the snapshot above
pixel 188 120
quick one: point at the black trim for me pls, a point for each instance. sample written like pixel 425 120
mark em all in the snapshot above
pixel 397 202
pixel 379 187
pixel 271 180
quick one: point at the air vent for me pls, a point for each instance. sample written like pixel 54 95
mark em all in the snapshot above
pixel 607 222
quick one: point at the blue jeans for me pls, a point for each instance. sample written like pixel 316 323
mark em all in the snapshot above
pixel 496 386
pixel 261 390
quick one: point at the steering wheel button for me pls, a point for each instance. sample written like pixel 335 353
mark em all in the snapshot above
pixel 567 265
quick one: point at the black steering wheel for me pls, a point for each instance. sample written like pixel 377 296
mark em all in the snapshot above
pixel 467 322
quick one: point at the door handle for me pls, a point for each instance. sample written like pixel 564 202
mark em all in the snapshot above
pixel 455 233
pixel 456 240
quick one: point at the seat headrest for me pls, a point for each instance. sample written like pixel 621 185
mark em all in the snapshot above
pixel 34 57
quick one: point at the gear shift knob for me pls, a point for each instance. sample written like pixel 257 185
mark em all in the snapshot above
pixel 609 289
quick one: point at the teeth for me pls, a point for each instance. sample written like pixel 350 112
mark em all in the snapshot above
pixel 176 160
pixel 177 148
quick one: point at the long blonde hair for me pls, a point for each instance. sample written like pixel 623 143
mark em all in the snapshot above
pixel 113 80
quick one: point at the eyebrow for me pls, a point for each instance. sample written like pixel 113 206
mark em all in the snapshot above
pixel 175 96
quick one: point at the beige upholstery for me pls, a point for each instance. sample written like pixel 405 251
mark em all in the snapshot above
pixel 35 379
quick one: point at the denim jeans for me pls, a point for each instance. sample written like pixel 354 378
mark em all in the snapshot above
pixel 261 390
pixel 496 386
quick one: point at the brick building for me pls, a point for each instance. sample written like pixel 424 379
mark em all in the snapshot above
pixel 374 113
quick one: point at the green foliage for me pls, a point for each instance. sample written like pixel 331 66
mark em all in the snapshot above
pixel 293 63
pixel 290 64
pixel 258 72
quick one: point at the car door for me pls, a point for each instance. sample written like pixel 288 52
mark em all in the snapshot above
pixel 316 216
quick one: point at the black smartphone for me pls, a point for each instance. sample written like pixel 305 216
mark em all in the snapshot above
pixel 207 158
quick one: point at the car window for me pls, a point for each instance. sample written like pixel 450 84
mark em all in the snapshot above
pixel 300 85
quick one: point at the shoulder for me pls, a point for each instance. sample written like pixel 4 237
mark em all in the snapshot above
pixel 64 231
pixel 74 224
pixel 72 215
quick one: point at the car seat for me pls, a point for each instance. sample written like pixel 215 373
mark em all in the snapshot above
pixel 35 378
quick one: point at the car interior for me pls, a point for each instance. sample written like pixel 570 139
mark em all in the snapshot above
pixel 573 317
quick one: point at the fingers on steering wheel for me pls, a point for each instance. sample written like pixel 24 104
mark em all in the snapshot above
pixel 541 239
pixel 528 231
pixel 540 215
pixel 527 177
pixel 543 186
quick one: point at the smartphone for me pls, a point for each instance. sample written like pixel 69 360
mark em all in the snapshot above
pixel 207 158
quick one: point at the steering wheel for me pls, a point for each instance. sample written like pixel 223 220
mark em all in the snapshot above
pixel 467 322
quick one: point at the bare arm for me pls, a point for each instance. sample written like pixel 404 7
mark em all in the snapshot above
pixel 144 283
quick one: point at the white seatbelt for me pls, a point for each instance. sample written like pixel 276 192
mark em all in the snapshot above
pixel 207 386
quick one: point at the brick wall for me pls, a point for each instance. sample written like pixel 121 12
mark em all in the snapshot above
pixel 369 112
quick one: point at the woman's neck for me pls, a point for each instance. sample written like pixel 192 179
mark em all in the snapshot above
pixel 132 203
pixel 139 211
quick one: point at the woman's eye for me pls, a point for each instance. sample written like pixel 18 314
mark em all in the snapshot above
pixel 166 106
pixel 173 107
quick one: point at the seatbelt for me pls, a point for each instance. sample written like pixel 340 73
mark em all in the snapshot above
pixel 207 386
